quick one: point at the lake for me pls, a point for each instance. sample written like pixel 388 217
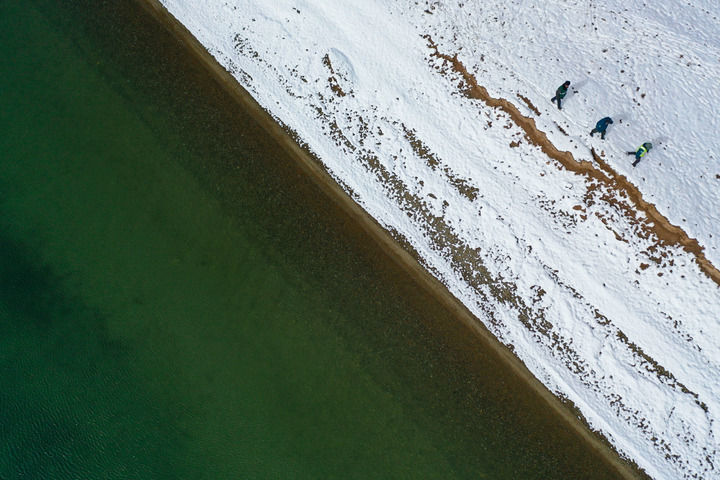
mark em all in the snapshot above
pixel 178 300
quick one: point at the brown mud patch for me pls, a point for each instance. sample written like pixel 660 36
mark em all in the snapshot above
pixel 529 104
pixel 658 227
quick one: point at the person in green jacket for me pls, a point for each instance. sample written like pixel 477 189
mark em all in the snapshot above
pixel 560 93
pixel 641 152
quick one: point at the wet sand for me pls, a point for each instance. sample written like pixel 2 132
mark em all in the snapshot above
pixel 469 331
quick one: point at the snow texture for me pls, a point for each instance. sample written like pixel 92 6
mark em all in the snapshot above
pixel 561 267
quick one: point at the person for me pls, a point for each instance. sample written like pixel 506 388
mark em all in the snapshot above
pixel 601 127
pixel 560 93
pixel 641 152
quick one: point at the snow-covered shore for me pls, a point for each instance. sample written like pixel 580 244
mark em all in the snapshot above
pixel 560 265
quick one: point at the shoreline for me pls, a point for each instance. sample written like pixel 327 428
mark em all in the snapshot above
pixel 384 240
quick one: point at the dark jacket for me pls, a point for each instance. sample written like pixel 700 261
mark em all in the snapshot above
pixel 602 125
pixel 561 91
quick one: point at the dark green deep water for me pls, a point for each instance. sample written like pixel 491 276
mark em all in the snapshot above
pixel 178 302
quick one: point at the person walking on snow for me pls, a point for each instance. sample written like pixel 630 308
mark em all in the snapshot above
pixel 601 127
pixel 640 152
pixel 560 93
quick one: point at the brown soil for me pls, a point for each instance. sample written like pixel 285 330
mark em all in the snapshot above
pixel 664 232
pixel 529 104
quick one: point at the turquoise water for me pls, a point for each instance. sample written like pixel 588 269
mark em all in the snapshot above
pixel 178 301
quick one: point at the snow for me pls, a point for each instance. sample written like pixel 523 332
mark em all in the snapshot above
pixel 563 267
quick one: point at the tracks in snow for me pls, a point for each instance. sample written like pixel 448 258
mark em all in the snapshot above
pixel 658 225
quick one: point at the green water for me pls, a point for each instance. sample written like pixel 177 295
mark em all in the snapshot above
pixel 177 301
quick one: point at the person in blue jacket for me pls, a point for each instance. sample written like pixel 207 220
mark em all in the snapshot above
pixel 560 93
pixel 601 127
pixel 641 152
